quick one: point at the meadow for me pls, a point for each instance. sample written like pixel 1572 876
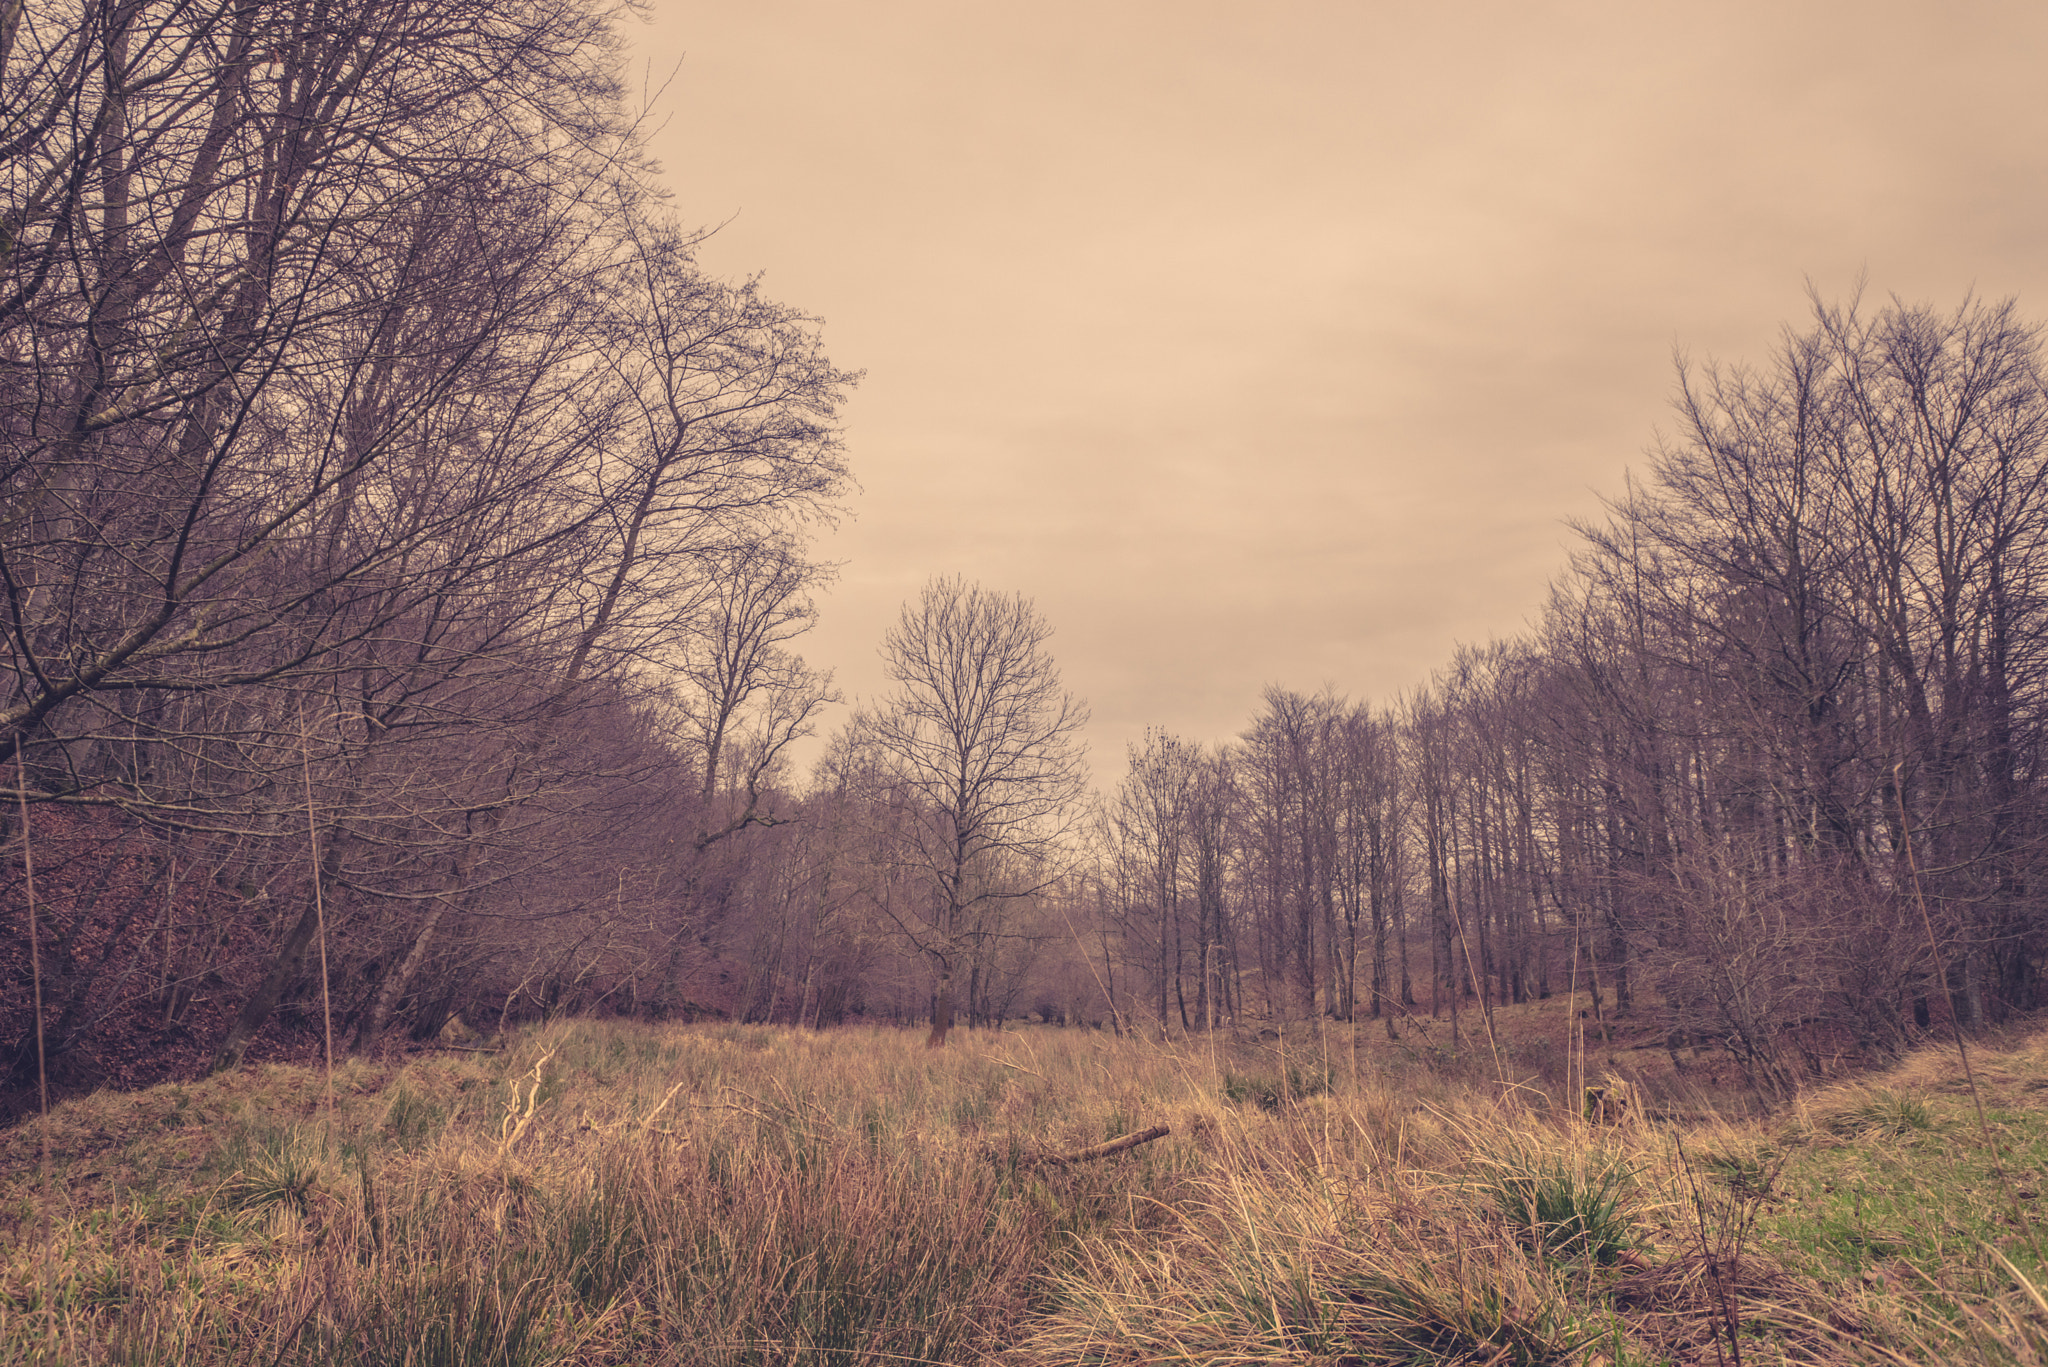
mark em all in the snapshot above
pixel 616 1193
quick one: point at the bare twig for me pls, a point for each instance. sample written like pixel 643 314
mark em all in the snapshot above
pixel 1722 1249
pixel 319 903
pixel 518 1113
pixel 647 1121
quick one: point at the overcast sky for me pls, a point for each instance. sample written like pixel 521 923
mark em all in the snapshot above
pixel 1277 343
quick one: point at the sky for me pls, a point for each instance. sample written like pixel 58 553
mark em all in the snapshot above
pixel 1279 344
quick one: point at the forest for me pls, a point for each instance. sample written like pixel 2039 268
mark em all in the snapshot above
pixel 406 546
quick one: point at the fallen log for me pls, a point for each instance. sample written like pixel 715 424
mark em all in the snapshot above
pixel 1088 1155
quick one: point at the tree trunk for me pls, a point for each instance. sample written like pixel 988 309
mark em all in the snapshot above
pixel 263 1001
pixel 942 1012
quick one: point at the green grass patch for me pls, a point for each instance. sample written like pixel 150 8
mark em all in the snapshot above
pixel 1899 1181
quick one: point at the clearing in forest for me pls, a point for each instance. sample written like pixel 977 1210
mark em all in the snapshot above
pixel 616 1193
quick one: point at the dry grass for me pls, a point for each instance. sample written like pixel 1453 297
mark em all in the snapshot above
pixel 625 1194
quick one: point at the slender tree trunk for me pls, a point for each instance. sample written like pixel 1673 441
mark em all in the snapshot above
pixel 256 1010
pixel 942 1011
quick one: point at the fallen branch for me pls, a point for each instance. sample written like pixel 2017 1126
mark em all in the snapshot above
pixel 1129 1141
pixel 1088 1155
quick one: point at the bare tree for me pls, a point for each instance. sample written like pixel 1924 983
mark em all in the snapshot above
pixel 752 696
pixel 979 748
pixel 1149 820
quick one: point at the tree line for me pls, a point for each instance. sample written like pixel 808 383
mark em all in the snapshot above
pixel 404 550
pixel 403 536
pixel 1762 776
pixel 1769 761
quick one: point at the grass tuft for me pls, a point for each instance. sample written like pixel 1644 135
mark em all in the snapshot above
pixel 1884 1111
pixel 1562 1212
pixel 1424 1320
pixel 285 1168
